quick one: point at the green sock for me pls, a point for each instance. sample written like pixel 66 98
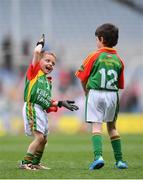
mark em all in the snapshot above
pixel 37 157
pixel 97 145
pixel 28 158
pixel 116 145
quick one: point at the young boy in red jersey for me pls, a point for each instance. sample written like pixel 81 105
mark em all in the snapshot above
pixel 37 103
pixel 102 75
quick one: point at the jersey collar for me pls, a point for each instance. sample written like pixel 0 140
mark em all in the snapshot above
pixel 106 49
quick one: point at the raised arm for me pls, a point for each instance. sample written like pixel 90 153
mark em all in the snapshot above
pixel 37 50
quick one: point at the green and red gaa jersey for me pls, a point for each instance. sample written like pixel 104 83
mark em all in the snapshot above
pixel 102 70
pixel 37 87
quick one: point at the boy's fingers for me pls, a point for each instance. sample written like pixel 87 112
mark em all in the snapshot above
pixel 70 102
pixel 75 107
pixel 41 41
pixel 43 36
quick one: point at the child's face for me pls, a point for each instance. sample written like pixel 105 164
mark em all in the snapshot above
pixel 99 42
pixel 47 63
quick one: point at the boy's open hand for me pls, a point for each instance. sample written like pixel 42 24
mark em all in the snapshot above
pixel 41 41
pixel 68 104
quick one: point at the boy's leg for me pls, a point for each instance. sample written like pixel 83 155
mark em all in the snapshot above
pixel 38 155
pixel 116 143
pixel 97 139
pixel 35 144
pixel 97 146
pixel 115 140
pixel 33 115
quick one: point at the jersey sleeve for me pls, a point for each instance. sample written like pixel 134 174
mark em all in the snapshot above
pixel 121 77
pixel 52 109
pixel 32 71
pixel 85 69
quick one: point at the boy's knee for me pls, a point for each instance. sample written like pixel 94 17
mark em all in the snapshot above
pixel 40 138
pixel 113 132
pixel 111 127
pixel 45 140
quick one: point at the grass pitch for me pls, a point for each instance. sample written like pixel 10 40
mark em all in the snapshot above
pixel 69 157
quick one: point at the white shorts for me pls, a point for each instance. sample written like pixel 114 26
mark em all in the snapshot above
pixel 35 118
pixel 101 106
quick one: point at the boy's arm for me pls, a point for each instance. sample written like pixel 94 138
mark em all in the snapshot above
pixel 121 77
pixel 68 104
pixel 84 72
pixel 83 83
pixel 37 50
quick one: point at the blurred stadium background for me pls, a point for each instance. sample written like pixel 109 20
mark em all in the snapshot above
pixel 69 26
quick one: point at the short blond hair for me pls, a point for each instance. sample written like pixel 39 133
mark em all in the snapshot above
pixel 49 53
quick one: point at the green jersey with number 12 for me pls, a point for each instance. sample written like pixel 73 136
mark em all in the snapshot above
pixel 102 70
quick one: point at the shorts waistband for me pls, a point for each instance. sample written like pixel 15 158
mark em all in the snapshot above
pixel 35 105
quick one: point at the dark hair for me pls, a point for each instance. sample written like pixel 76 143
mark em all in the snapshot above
pixel 109 32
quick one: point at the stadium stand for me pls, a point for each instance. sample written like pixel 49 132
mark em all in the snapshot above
pixel 69 26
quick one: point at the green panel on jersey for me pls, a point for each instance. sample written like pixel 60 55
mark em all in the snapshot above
pixel 105 73
pixel 40 92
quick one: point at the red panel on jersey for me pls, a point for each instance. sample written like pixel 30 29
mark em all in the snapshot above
pixel 32 71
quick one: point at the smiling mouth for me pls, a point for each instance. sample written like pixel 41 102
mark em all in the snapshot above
pixel 48 68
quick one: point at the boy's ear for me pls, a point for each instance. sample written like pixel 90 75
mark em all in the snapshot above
pixel 101 39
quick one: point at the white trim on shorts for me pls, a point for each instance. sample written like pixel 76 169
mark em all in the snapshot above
pixel 39 120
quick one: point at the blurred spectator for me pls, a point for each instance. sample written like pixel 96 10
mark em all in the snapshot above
pixel 1 87
pixel 7 53
pixel 67 80
pixel 73 78
pixel 130 99
pixel 26 47
pixel 64 80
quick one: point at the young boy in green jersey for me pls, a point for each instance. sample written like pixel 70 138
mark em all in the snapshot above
pixel 37 103
pixel 102 75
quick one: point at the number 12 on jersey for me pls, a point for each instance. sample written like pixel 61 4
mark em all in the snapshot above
pixel 108 79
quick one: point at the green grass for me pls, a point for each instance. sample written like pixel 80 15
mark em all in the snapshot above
pixel 69 157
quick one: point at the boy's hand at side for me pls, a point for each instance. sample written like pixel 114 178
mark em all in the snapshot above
pixel 68 104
